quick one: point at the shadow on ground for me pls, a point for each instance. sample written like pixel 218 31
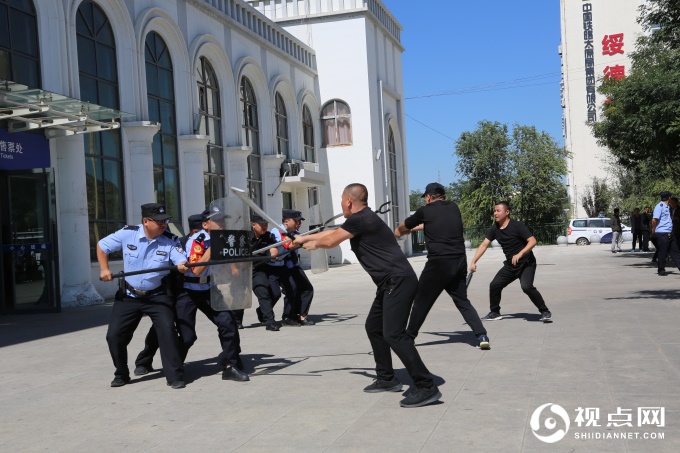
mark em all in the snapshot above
pixel 20 328
pixel 661 294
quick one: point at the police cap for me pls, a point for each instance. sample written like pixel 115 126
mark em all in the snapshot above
pixel 155 211
pixel 258 219
pixel 196 221
pixel 291 214
pixel 665 195
pixel 213 213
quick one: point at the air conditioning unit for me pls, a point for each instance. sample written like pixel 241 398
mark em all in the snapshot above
pixel 311 166
pixel 291 167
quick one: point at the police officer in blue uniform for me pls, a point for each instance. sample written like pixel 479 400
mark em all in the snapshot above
pixel 262 272
pixel 144 247
pixel 196 296
pixel 296 304
pixel 662 232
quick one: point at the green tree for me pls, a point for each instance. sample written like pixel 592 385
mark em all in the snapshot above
pixel 641 115
pixel 415 199
pixel 484 163
pixel 597 197
pixel 526 167
pixel 539 164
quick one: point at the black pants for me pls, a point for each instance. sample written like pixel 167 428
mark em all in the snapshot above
pixel 188 303
pixel 644 244
pixel 525 273
pixel 437 276
pixel 666 243
pixel 386 328
pixel 263 291
pixel 280 278
pixel 637 236
pixel 125 317
pixel 298 305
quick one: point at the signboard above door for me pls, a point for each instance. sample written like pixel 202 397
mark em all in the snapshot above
pixel 23 151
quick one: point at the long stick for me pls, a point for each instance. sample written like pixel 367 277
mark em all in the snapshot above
pixel 241 194
pixel 312 231
pixel 205 263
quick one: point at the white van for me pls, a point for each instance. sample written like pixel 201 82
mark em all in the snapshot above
pixel 580 230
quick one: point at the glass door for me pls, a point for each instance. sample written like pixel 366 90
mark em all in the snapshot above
pixel 29 263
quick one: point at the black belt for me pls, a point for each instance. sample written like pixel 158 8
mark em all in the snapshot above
pixel 205 279
pixel 140 293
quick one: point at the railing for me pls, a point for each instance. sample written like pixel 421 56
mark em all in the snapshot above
pixel 546 234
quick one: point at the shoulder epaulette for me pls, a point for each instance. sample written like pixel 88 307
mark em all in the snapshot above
pixel 131 227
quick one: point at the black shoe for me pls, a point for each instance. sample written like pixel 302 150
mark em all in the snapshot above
pixel 291 322
pixel 384 386
pixel 141 370
pixel 260 316
pixel 492 316
pixel 663 273
pixel 483 342
pixel 177 384
pixel 234 374
pixel 306 322
pixel 546 316
pixel 273 327
pixel 119 382
pixel 239 324
pixel 421 397
pixel 654 260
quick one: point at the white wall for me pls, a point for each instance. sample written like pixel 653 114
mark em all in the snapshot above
pixel 608 17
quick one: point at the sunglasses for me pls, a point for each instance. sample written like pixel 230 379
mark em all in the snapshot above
pixel 159 222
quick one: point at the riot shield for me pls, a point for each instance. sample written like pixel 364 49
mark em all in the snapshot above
pixel 232 284
pixel 318 257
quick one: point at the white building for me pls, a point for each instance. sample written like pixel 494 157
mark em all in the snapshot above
pixel 358 55
pixel 597 38
pixel 215 94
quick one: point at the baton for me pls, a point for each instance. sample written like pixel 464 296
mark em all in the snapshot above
pixel 205 263
pixel 241 194
pixel 468 279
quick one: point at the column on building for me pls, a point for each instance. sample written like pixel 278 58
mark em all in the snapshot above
pixel 139 135
pixel 74 258
pixel 194 156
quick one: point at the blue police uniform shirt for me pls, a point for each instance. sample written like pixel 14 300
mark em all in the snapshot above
pixel 190 273
pixel 279 237
pixel 663 214
pixel 141 253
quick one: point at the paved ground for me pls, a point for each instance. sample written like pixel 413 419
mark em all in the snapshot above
pixel 614 345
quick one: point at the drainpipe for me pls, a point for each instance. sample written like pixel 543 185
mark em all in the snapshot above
pixel 383 149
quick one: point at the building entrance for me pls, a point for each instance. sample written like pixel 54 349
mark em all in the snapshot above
pixel 28 269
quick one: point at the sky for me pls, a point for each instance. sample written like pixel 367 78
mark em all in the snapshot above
pixel 499 58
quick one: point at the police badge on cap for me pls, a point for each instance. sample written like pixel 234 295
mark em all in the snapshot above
pixel 214 213
pixel 154 211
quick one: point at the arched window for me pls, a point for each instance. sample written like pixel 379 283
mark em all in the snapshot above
pixel 308 135
pixel 161 101
pixel 19 51
pixel 98 75
pixel 252 139
pixel 337 124
pixel 394 186
pixel 281 127
pixel 210 112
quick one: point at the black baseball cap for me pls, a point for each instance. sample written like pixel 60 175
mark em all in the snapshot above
pixel 433 188
pixel 291 214
pixel 196 221
pixel 665 195
pixel 255 218
pixel 155 211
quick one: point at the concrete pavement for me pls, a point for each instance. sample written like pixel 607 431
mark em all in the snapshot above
pixel 612 351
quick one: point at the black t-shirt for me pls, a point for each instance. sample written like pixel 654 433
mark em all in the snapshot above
pixel 443 229
pixel 513 238
pixel 266 239
pixel 376 247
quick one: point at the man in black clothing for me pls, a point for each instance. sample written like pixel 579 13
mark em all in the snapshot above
pixel 645 220
pixel 517 242
pixel 636 228
pixel 379 254
pixel 446 266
